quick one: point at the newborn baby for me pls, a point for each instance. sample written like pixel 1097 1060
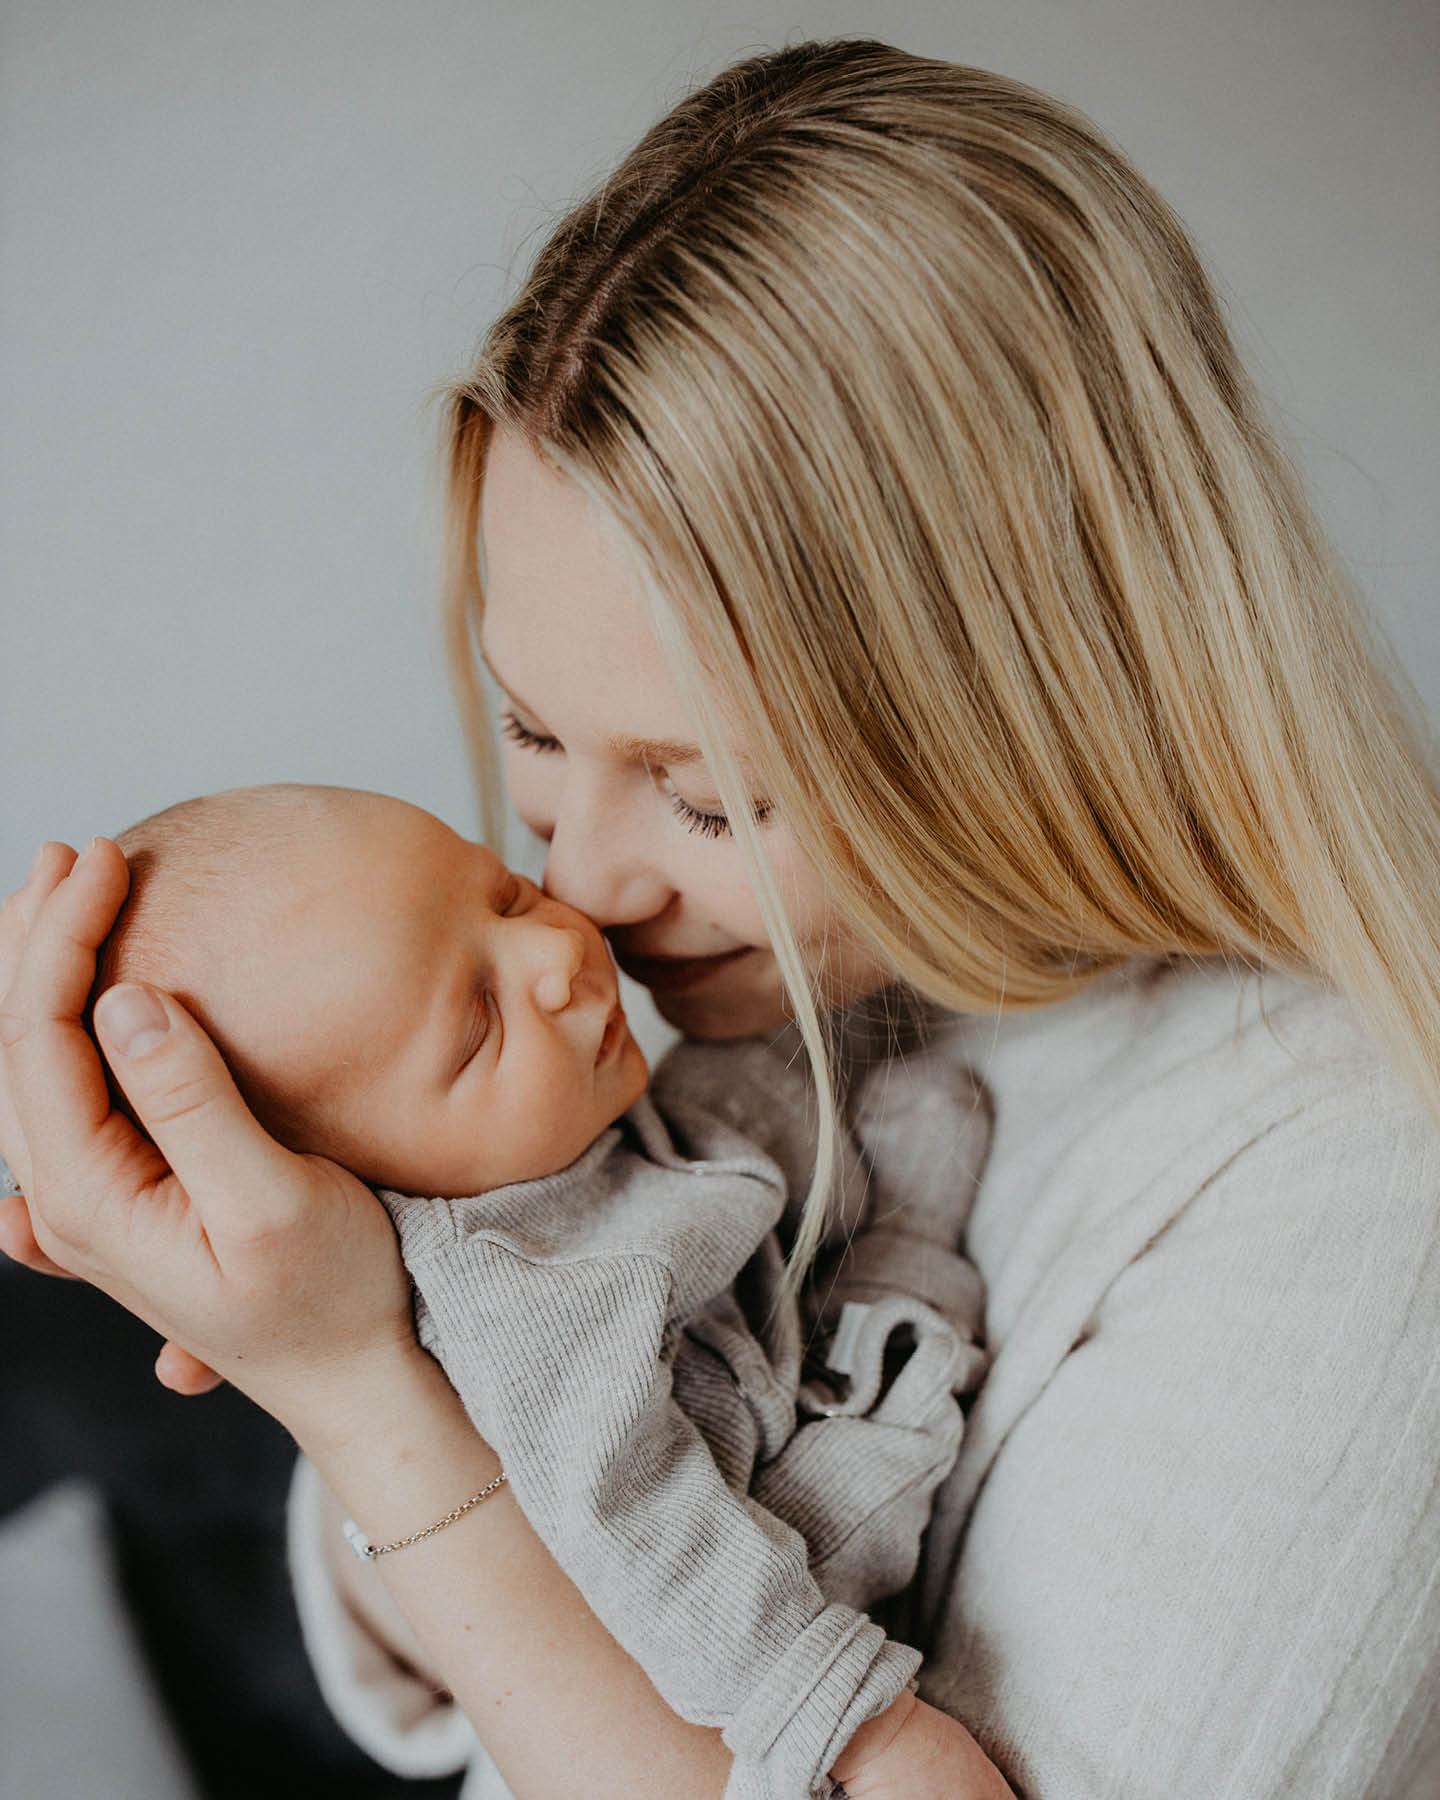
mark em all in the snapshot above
pixel 385 993
pixel 732 1479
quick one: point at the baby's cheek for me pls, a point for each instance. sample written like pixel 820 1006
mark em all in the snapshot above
pixel 558 1133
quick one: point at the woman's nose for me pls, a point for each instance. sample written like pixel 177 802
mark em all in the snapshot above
pixel 600 864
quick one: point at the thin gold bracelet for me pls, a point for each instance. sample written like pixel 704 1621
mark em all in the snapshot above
pixel 367 1552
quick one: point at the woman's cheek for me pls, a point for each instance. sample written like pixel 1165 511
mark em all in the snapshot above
pixel 533 792
pixel 807 902
pixel 731 902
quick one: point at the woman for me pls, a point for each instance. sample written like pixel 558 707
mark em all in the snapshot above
pixel 891 578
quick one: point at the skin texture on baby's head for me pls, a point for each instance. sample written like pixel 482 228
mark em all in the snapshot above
pixel 385 992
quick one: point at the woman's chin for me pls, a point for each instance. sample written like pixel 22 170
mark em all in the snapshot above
pixel 748 998
pixel 744 1000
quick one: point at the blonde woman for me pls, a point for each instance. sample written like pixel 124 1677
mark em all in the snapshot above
pixel 891 578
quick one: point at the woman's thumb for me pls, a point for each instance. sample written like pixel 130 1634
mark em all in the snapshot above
pixel 187 1103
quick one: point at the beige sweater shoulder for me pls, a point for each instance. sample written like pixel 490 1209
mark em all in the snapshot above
pixel 1192 1542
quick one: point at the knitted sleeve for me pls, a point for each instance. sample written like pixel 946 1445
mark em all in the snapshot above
pixel 553 1306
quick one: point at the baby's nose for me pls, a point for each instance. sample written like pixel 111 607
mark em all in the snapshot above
pixel 561 958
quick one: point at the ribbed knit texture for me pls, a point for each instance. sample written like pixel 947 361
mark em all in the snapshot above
pixel 642 1395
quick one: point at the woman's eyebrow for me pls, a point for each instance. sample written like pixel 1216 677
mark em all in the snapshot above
pixel 670 753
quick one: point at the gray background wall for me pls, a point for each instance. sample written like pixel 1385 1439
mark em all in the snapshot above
pixel 240 243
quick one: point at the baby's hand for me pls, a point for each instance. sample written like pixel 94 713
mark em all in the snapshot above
pixel 915 1752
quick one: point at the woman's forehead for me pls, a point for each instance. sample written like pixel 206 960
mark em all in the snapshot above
pixel 567 629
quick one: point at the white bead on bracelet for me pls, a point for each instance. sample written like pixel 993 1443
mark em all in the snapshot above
pixel 367 1552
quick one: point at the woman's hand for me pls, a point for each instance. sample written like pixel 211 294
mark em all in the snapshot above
pixel 278 1272
pixel 16 917
pixel 175 1368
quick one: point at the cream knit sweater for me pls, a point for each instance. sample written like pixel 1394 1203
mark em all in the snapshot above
pixel 1191 1545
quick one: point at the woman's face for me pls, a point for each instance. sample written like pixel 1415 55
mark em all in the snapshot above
pixel 602 763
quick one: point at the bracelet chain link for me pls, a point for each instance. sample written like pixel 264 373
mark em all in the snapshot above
pixel 367 1552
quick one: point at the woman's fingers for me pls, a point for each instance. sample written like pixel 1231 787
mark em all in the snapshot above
pixel 67 913
pixel 53 862
pixel 183 1373
pixel 51 865
pixel 184 1097
pixel 271 1265
pixel 53 1076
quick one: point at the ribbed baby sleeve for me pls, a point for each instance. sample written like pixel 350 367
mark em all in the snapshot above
pixel 551 1305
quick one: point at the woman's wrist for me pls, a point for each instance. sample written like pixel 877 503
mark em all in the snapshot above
pixel 392 1441
pixel 482 1608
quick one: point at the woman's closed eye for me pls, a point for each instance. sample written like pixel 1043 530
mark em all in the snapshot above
pixel 526 736
pixel 704 821
pixel 694 818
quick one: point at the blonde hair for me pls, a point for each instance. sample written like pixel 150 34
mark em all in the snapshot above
pixel 921 416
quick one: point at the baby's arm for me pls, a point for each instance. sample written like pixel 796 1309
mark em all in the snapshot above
pixel 553 1306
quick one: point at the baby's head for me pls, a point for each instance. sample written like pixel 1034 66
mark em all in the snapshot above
pixel 385 992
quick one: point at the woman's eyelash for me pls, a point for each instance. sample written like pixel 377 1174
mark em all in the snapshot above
pixel 520 733
pixel 703 824
pixel 708 824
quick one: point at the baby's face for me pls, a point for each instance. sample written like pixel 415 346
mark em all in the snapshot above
pixel 439 1025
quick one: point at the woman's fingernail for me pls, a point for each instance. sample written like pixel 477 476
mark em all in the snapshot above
pixel 131 1019
pixel 35 866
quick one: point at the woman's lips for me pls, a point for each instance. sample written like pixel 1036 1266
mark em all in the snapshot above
pixel 673 974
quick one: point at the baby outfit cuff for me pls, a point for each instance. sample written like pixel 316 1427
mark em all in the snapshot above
pixel 840 1672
